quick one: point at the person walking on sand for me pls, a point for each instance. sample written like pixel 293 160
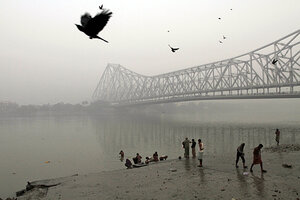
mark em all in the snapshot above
pixel 193 148
pixel 240 153
pixel 257 158
pixel 186 146
pixel 200 153
pixel 277 133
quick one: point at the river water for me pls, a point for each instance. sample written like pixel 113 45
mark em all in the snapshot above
pixel 34 148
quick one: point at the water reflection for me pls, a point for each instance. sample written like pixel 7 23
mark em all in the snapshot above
pixel 242 180
pixel 147 136
pixel 84 144
pixel 258 181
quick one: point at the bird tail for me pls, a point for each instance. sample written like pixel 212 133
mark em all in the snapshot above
pixel 102 39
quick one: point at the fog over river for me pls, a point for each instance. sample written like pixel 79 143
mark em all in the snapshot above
pixel 90 143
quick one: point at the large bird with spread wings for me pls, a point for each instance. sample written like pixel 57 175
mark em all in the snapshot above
pixel 92 26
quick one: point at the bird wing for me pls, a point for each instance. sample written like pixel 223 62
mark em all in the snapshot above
pixel 175 49
pixel 85 19
pixel 97 23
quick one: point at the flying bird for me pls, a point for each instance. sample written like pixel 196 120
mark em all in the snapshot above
pixel 224 37
pixel 173 49
pixel 274 61
pixel 230 8
pixel 220 41
pixel 92 26
pixel 101 7
pixel 219 18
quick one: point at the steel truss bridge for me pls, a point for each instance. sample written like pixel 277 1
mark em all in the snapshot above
pixel 252 75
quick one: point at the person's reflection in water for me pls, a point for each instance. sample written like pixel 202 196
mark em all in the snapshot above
pixel 202 175
pixel 187 164
pixel 242 180
pixel 258 182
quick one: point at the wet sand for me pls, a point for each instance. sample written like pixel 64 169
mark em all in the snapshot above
pixel 182 179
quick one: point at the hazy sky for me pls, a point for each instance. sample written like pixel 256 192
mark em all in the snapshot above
pixel 45 59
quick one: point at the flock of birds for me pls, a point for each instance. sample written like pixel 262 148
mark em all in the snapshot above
pixel 224 37
pixel 91 26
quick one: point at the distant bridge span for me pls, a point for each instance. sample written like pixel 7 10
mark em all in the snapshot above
pixel 252 75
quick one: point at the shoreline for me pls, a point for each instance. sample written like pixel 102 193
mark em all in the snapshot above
pixel 182 179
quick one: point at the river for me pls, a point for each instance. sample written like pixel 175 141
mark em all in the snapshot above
pixel 34 148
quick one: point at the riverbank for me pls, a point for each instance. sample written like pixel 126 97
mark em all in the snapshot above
pixel 182 179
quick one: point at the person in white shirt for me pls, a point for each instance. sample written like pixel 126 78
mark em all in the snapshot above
pixel 200 153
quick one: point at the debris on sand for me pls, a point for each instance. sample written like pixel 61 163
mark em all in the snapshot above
pixel 286 166
pixel 283 148
pixel 172 170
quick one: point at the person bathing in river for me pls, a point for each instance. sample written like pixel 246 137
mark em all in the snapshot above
pixel 128 164
pixel 137 159
pixel 122 154
pixel 257 158
pixel 193 148
pixel 155 157
pixel 186 146
pixel 240 153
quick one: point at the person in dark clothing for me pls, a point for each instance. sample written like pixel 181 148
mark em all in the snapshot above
pixel 193 148
pixel 277 133
pixel 240 153
pixel 128 164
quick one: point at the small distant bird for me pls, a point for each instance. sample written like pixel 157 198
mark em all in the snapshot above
pixel 219 18
pixel 274 61
pixel 101 7
pixel 224 37
pixel 230 8
pixel 220 41
pixel 173 49
pixel 168 31
pixel 92 26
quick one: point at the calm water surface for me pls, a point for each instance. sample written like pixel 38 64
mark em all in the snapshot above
pixel 88 144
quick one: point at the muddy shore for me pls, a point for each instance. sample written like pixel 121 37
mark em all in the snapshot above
pixel 182 179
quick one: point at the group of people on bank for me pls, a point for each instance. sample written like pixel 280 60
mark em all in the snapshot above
pixel 186 146
pixel 137 160
pixel 239 154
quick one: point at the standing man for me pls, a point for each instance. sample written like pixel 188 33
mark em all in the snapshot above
pixel 240 153
pixel 201 151
pixel 193 148
pixel 186 146
pixel 257 158
pixel 277 133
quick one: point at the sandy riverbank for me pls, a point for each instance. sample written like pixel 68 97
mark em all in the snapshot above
pixel 182 179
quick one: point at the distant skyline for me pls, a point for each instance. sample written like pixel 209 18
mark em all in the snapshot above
pixel 45 59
